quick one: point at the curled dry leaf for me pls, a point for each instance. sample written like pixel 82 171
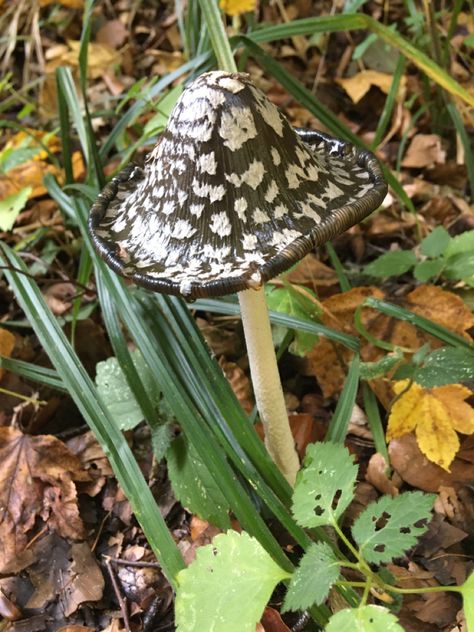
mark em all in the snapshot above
pixel 436 415
pixel 416 470
pixel 36 480
pixel 377 475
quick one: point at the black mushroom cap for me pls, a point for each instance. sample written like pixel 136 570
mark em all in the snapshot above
pixel 231 195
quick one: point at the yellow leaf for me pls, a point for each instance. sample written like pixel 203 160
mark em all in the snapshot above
pixel 358 85
pixel 236 7
pixel 435 414
pixel 7 342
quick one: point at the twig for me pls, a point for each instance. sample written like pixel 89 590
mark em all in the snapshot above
pixel 120 599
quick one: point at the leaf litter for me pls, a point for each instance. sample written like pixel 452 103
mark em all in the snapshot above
pixel 63 503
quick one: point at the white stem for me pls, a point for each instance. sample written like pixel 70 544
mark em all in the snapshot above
pixel 266 382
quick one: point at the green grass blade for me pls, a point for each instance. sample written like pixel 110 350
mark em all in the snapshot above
pixel 219 40
pixel 340 420
pixel 389 103
pixel 33 372
pixel 220 306
pixel 421 322
pixel 344 283
pixel 85 395
pixel 193 424
pixel 466 143
pixel 68 94
pixel 375 423
pixel 350 22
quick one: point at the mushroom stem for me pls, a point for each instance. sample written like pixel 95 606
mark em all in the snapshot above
pixel 266 382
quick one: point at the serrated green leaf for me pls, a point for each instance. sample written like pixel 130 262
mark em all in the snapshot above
pixel 227 587
pixel 11 206
pixel 325 486
pixel 460 266
pixel 288 300
pixel 194 486
pixel 116 393
pixel 389 527
pixel 365 619
pixel 425 270
pixel 467 591
pixel 318 570
pixel 391 264
pixel 448 365
pixel 435 243
pixel 460 243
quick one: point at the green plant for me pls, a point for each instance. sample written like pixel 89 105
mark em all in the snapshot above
pixel 235 575
pixel 438 255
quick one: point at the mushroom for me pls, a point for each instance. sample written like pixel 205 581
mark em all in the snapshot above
pixel 230 196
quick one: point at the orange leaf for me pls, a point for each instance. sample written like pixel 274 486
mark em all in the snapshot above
pixel 435 415
pixel 7 342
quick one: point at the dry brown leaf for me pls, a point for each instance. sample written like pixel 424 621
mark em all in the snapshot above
pixel 64 570
pixel 442 307
pixel 358 85
pixel 112 34
pixel 36 480
pixel 414 468
pixel 272 621
pixel 425 150
pixel 7 344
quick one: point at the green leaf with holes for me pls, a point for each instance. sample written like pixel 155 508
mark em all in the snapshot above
pixel 325 486
pixel 227 586
pixel 364 619
pixel 391 526
pixel 194 485
pixel 318 570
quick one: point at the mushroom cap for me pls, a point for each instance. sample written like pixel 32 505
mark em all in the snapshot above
pixel 231 195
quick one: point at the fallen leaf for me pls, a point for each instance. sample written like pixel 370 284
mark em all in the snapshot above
pixel 425 150
pixel 358 85
pixel 237 7
pixel 435 415
pixel 64 570
pixel 7 344
pixel 36 480
pixel 113 34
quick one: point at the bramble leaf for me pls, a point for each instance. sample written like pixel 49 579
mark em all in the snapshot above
pixel 316 573
pixel 325 486
pixel 227 586
pixel 445 366
pixel 390 526
pixel 435 415
pixel 365 619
